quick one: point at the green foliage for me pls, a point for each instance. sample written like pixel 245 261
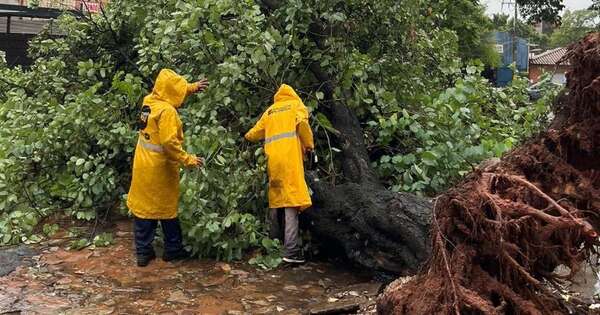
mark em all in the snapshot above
pixel 81 239
pixel 67 124
pixel 541 10
pixel 103 240
pixel 50 229
pixel 472 33
pixel 62 147
pixel 429 149
pixel 575 25
pixel 272 258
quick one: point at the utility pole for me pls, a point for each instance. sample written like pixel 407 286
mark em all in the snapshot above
pixel 515 6
pixel 514 41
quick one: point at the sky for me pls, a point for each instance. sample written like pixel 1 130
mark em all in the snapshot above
pixel 495 6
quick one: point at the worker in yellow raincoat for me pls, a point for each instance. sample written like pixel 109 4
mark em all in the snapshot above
pixel 154 192
pixel 285 129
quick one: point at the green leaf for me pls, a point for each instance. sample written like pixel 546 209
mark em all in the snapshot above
pixel 220 160
pixel 265 242
pixel 227 222
pixel 429 158
pixel 324 122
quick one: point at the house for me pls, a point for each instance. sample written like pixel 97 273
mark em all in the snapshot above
pixel 548 62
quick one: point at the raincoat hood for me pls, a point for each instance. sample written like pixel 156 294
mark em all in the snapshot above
pixel 286 93
pixel 169 87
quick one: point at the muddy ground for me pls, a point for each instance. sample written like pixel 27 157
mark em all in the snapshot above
pixel 52 280
pixel 49 279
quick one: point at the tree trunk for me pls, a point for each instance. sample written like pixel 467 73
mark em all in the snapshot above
pixel 373 227
pixel 360 219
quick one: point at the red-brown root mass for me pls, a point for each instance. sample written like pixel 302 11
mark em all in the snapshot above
pixel 498 236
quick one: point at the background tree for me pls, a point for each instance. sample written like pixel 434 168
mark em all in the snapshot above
pixel 474 38
pixel 541 10
pixel 574 26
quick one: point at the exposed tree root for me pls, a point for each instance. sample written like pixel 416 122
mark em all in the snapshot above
pixel 499 235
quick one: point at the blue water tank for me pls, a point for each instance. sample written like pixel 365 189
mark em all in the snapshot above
pixel 504 76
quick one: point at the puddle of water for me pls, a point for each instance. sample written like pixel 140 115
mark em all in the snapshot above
pixel 107 281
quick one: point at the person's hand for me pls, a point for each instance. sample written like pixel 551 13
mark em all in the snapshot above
pixel 200 86
pixel 197 162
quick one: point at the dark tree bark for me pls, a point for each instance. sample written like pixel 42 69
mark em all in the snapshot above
pixel 359 219
pixel 373 227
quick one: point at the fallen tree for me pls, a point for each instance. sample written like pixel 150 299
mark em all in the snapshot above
pixel 498 236
pixel 393 109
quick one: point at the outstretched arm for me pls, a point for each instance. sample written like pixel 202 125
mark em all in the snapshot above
pixel 257 132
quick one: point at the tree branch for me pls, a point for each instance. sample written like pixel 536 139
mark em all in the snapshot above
pixel 350 138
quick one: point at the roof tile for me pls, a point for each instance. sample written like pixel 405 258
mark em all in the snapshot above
pixel 550 57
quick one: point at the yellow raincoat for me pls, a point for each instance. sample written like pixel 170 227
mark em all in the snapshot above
pixel 154 191
pixel 287 135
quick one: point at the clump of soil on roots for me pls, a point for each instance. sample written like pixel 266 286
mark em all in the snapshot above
pixel 499 235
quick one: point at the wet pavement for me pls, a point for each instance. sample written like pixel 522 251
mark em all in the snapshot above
pixel 49 279
pixel 107 281
pixel 13 257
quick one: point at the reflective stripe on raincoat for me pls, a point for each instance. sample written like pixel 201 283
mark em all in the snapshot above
pixel 286 133
pixel 154 191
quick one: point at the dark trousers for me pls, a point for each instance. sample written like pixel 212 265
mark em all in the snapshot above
pixel 145 229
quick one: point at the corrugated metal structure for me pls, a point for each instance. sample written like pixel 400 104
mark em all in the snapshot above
pixel 26 25
pixel 504 44
pixel 19 23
